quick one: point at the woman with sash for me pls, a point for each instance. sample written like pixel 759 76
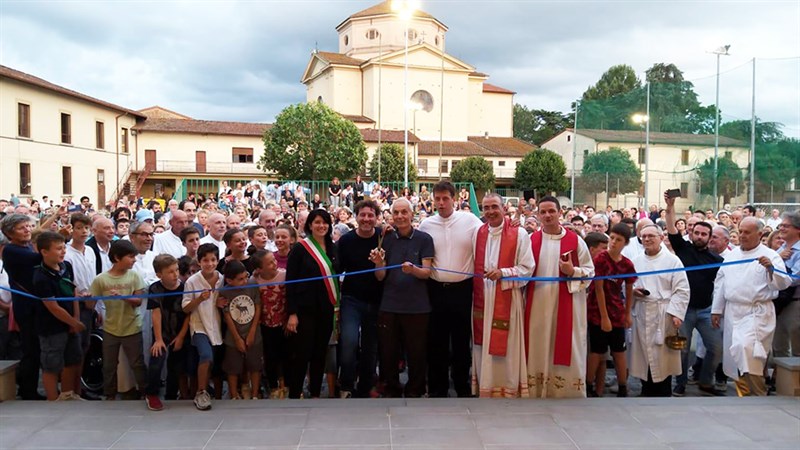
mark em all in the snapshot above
pixel 312 305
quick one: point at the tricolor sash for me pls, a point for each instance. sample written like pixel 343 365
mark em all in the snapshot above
pixel 330 280
pixel 501 315
pixel 562 354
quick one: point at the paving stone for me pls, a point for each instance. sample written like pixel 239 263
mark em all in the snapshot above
pixel 612 436
pixel 255 438
pixel 163 439
pixel 441 421
pixel 347 419
pixel 462 439
pixel 345 438
pixel 71 439
pixel 525 436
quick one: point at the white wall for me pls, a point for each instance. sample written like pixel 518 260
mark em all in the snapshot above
pixel 176 152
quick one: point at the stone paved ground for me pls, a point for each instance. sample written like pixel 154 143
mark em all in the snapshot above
pixel 631 423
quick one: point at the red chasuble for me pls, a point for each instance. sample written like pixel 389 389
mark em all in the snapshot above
pixel 501 315
pixel 562 354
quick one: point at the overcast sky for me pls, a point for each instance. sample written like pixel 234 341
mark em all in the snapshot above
pixel 242 61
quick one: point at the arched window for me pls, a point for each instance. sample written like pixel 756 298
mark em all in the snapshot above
pixel 424 99
pixel 412 35
pixel 373 34
pixel 319 99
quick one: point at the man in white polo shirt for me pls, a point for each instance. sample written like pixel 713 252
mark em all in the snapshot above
pixel 450 294
pixel 169 242
pixel 216 230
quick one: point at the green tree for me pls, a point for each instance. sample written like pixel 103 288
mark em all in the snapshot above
pixel 740 129
pixel 310 141
pixel 618 79
pixel 609 104
pixel 776 164
pixel 615 162
pixel 391 165
pixel 543 171
pixel 537 126
pixel 475 170
pixel 729 177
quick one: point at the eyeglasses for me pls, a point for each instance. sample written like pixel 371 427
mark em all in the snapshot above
pixel 147 235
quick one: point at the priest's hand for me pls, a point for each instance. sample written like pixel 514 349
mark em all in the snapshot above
pixel 715 320
pixel 676 322
pixel 565 266
pixel 493 274
pixel 764 261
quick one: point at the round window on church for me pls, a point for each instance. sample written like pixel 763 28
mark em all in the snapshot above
pixel 422 100
pixel 412 35
pixel 346 40
pixel 373 34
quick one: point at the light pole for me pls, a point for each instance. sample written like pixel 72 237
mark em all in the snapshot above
pixel 719 52
pixel 644 120
pixel 405 10
pixel 574 153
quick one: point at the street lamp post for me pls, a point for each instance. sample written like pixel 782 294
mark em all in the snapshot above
pixel 643 120
pixel 719 52
pixel 405 10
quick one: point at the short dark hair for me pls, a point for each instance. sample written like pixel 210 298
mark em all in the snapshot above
pixel 251 231
pixel 622 230
pixel 206 249
pixel 234 268
pixel 84 198
pixel 187 231
pixel 185 264
pixel 46 240
pixel 705 224
pixel 550 198
pixel 750 208
pixel 576 219
pixel 367 203
pixel 77 218
pixel 163 261
pixel 118 211
pixel 628 221
pixel 120 249
pixel 123 220
pixel 594 239
pixel 443 186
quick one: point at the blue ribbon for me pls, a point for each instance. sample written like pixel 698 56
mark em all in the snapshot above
pixel 397 266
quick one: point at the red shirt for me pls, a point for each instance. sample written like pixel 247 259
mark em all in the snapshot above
pixel 612 287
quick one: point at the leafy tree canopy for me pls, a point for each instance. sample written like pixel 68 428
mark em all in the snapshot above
pixel 615 162
pixel 391 165
pixel 310 141
pixel 541 170
pixel 475 170
pixel 729 177
pixel 537 126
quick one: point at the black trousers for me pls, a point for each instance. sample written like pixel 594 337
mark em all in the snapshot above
pixel 449 337
pixel 652 389
pixel 307 349
pixel 274 339
pixel 410 330
pixel 28 369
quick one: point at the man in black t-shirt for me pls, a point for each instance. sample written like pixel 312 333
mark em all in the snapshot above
pixel 701 284
pixel 361 296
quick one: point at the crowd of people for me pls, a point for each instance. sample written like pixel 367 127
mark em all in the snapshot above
pixel 257 292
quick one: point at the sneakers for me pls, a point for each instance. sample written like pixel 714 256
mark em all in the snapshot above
pixel 679 391
pixel 202 401
pixel 345 394
pixel 153 403
pixel 709 391
pixel 721 386
pixel 66 396
pixel 623 390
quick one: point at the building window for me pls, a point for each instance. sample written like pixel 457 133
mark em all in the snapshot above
pixel 23 120
pixel 319 99
pixel 373 34
pixel 684 157
pixel 436 40
pixel 729 155
pixel 585 153
pixel 124 140
pixel 422 165
pixel 100 132
pixel 412 35
pixel 501 163
pixel 684 190
pixel 569 138
pixel 66 128
pixel 641 155
pixel 242 155
pixel 453 164
pixel 443 166
pixel 346 40
pixel 24 178
pixel 66 180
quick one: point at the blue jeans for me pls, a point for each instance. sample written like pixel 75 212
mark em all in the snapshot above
pixel 358 317
pixel 700 319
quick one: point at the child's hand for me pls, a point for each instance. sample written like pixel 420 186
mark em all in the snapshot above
pixel 240 345
pixel 77 327
pixel 176 344
pixel 291 325
pixel 158 348
pixel 605 324
pixel 251 339
pixel 205 295
pixel 628 321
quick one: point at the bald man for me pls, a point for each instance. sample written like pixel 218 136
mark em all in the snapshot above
pixel 103 233
pixel 169 242
pixel 216 230
pixel 268 219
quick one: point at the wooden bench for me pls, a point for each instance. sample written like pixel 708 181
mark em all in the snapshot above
pixel 8 380
pixel 787 376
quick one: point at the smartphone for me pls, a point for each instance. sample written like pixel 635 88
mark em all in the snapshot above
pixel 673 193
pixel 565 256
pixel 645 292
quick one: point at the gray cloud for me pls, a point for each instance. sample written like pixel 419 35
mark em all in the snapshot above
pixel 243 60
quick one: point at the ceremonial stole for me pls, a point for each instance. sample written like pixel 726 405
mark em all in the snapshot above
pixel 326 269
pixel 501 315
pixel 562 354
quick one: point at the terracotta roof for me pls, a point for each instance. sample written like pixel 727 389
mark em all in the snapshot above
pixel 159 112
pixel 706 140
pixel 478 146
pixel 357 119
pixel 36 81
pixel 192 126
pixel 503 146
pixel 338 58
pixel 452 148
pixel 496 89
pixel 390 136
pixel 383 9
pixel 479 75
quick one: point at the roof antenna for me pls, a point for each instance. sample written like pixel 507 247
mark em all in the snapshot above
pixel 316 48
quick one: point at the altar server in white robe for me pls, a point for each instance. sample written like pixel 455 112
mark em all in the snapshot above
pixel 660 303
pixel 498 353
pixel 555 311
pixel 743 295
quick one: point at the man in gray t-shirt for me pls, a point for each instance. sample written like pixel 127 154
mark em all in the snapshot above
pixel 405 306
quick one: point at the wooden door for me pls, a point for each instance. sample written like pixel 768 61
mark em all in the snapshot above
pixel 101 189
pixel 150 160
pixel 200 161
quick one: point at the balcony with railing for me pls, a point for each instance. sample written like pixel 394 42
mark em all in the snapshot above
pixel 207 167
